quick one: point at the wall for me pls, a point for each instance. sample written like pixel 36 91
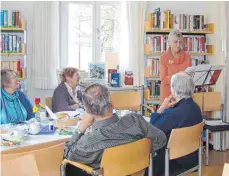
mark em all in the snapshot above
pixel 26 9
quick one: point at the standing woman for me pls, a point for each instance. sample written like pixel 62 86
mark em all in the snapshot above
pixel 174 60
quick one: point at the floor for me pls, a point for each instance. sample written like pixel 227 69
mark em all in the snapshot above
pixel 217 160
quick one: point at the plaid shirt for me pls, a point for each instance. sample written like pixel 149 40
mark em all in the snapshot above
pixel 88 148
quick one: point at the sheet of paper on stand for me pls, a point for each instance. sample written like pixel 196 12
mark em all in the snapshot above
pixel 215 122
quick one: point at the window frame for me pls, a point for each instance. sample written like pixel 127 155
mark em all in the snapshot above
pixel 96 39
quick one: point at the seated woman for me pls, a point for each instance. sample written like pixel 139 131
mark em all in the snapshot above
pixel 67 96
pixel 15 106
pixel 177 111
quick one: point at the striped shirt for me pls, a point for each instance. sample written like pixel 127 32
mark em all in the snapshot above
pixel 88 148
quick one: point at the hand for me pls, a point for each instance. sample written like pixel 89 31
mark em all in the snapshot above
pixel 75 106
pixel 86 122
pixel 167 103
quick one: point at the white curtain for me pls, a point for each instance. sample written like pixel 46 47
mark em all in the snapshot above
pixel 45 44
pixel 227 69
pixel 132 39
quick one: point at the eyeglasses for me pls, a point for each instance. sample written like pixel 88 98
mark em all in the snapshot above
pixel 177 41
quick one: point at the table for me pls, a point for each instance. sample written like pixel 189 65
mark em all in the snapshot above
pixel 35 140
pixel 214 126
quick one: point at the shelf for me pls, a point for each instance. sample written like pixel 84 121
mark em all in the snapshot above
pixel 12 29
pixel 13 54
pixel 192 54
pixel 153 77
pixel 166 31
pixel 153 99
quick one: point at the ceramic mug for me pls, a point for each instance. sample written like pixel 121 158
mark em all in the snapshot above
pixel 34 128
pixel 19 133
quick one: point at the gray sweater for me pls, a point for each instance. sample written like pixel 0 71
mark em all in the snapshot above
pixel 62 100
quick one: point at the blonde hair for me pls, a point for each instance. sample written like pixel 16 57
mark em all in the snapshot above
pixel 175 33
pixel 68 71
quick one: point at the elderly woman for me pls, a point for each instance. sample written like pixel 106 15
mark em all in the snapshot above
pixel 174 60
pixel 67 96
pixel 177 111
pixel 15 106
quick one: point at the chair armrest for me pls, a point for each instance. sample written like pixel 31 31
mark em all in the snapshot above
pixel 148 107
pixel 79 165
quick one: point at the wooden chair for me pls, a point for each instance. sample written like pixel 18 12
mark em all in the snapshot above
pixel 20 166
pixel 129 100
pixel 226 170
pixel 48 159
pixel 48 102
pixel 122 160
pixel 184 141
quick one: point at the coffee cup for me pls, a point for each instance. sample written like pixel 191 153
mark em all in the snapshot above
pixel 34 128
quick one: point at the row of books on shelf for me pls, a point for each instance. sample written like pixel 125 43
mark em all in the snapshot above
pixel 153 90
pixel 10 18
pixel 16 66
pixel 154 68
pixel 159 43
pixel 10 43
pixel 167 20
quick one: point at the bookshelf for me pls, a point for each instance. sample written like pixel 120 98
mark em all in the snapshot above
pixel 157 29
pixel 13 45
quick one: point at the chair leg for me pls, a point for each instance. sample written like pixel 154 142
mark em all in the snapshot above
pixel 200 159
pixel 166 162
pixel 150 169
pixel 63 169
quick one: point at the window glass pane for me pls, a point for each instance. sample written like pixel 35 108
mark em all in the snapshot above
pixel 80 35
pixel 109 29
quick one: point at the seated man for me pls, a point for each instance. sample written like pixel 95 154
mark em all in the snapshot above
pixel 177 111
pixel 107 130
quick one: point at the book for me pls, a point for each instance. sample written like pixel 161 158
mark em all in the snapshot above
pixel 129 78
pixel 109 73
pixel 115 79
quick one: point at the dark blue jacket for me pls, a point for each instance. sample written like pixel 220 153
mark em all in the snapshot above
pixel 27 105
pixel 185 113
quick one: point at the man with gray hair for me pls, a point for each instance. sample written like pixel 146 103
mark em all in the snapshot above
pixel 177 111
pixel 106 129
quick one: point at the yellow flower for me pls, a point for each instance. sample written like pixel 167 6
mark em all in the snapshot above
pixel 35 109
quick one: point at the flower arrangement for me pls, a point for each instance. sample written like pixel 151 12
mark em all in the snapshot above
pixel 37 105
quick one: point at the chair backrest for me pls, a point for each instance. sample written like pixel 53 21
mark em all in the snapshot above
pixel 126 159
pixel 48 159
pixel 226 170
pixel 20 166
pixel 127 100
pixel 184 141
pixel 48 102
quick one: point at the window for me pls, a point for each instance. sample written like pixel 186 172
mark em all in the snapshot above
pixel 88 31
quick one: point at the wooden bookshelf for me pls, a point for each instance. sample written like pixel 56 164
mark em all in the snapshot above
pixel 153 77
pixel 210 28
pixel 210 51
pixel 13 54
pixel 14 29
pixel 153 99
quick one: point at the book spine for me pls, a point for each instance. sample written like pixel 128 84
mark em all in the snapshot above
pixel 1 18
pixel 9 18
pixel 17 18
pixel 10 43
pixel 18 49
pixel 3 42
pixel 13 18
pixel 14 43
pixel 6 42
pixel 5 17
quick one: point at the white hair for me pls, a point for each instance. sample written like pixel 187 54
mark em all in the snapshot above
pixel 182 85
pixel 175 34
